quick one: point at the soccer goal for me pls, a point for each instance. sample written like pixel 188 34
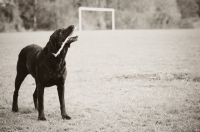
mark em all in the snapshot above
pixel 96 9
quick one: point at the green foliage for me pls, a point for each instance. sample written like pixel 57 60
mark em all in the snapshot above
pixel 130 14
pixel 55 14
pixel 188 8
pixel 189 13
pixel 26 12
pixel 10 17
pixel 198 3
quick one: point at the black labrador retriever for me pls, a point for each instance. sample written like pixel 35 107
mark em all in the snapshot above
pixel 47 66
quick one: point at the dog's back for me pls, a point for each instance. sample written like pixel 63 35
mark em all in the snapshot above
pixel 28 50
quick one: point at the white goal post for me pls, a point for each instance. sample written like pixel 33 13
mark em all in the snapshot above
pixel 96 9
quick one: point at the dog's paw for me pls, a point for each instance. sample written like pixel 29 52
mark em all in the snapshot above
pixel 66 117
pixel 15 109
pixel 42 119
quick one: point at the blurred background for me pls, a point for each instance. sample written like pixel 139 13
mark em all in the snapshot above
pixel 30 15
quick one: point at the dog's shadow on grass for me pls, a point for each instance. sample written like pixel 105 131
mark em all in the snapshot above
pixel 29 113
pixel 27 110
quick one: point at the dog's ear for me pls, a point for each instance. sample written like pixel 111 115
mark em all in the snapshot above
pixel 52 42
pixel 51 47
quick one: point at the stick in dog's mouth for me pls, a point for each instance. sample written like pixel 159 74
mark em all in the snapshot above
pixel 71 36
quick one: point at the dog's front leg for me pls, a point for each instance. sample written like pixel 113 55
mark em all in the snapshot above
pixel 61 92
pixel 40 94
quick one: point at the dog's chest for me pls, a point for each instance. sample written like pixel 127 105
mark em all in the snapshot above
pixel 50 82
pixel 55 79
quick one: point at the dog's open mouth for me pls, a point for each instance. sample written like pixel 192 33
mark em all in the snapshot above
pixel 72 37
pixel 72 33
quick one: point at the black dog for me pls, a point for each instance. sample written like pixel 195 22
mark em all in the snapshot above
pixel 47 69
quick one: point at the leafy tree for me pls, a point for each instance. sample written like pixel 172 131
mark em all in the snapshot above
pixel 9 16
pixel 198 3
pixel 129 14
pixel 26 12
pixel 188 8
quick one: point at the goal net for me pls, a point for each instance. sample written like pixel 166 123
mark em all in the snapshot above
pixel 96 9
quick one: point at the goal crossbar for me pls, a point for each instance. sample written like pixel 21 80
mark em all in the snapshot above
pixel 96 9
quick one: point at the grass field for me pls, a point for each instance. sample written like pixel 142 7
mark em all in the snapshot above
pixel 118 81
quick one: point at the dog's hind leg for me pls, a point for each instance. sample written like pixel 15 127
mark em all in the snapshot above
pixel 35 98
pixel 22 72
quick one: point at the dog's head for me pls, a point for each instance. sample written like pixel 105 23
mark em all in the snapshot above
pixel 58 38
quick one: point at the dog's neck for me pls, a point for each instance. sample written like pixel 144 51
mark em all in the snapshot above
pixel 51 50
pixel 54 63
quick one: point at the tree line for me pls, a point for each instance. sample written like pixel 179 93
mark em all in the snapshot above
pixel 20 15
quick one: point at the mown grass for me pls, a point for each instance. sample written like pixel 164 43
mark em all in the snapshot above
pixel 143 80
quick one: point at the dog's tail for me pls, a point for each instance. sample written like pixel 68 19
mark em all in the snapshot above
pixel 22 58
